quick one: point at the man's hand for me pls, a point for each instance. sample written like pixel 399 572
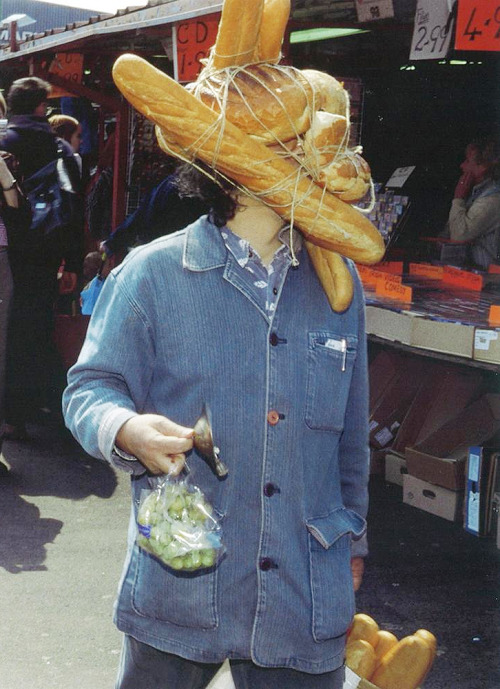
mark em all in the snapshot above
pixel 464 186
pixel 357 569
pixel 157 442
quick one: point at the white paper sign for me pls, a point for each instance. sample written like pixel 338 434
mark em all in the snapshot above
pixel 483 339
pixel 399 176
pixel 431 31
pixel 369 10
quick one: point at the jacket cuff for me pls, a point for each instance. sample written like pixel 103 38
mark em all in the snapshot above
pixel 106 437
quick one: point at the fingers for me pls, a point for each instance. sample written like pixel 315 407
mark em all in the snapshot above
pixel 158 442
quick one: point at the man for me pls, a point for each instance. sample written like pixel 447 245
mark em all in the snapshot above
pixel 475 210
pixel 219 313
pixel 31 358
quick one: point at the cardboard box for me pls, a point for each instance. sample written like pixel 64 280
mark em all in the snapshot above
pixel 395 468
pixel 389 412
pixel 481 482
pixel 395 326
pixel 487 345
pixel 382 370
pixel 433 499
pixel 440 458
pixel 443 336
pixel 446 392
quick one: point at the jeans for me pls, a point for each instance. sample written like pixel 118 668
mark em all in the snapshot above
pixel 145 667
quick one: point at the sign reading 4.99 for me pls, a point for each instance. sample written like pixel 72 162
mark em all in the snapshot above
pixel 478 25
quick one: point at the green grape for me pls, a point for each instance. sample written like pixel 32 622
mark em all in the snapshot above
pixel 177 563
pixel 208 557
pixel 196 559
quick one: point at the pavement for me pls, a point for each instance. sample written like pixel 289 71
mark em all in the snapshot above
pixel 64 518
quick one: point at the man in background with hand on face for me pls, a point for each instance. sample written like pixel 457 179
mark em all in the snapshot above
pixel 475 210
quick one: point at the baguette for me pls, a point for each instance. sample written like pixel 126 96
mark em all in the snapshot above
pixel 272 30
pixel 334 276
pixel 191 126
pixel 237 46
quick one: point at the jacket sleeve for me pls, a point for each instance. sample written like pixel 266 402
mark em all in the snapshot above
pixel 481 218
pixel 109 384
pixel 354 453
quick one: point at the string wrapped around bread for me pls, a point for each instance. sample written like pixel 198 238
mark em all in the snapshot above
pixel 279 133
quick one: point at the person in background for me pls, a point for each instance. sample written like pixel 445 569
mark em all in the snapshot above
pixel 34 378
pixel 9 212
pixel 475 210
pixel 69 129
pixel 220 313
pixel 161 212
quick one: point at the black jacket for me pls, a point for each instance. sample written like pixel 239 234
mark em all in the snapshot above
pixel 31 139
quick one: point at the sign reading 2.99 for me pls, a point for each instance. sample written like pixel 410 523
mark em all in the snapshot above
pixel 478 25
pixel 432 30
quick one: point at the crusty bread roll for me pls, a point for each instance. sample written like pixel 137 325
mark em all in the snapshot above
pixel 348 176
pixel 189 125
pixel 329 93
pixel 268 102
pixel 322 140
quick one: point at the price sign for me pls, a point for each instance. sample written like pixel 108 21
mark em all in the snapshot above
pixel 432 30
pixel 68 66
pixel 478 25
pixel 193 39
pixel 369 10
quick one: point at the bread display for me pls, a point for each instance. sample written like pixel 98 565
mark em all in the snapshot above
pixel 279 133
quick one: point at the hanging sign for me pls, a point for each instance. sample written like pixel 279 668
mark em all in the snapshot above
pixel 68 66
pixel 432 30
pixel 478 25
pixel 369 10
pixel 193 39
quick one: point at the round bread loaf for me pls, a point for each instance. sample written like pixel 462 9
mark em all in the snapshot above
pixel 348 177
pixel 268 102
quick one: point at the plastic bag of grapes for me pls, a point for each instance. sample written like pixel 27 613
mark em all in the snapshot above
pixel 177 525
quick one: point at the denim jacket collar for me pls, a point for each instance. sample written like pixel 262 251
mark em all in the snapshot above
pixel 204 248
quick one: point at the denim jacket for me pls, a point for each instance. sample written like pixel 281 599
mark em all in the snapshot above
pixel 177 325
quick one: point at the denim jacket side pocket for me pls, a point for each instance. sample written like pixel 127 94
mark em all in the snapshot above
pixel 332 592
pixel 186 599
pixel 330 362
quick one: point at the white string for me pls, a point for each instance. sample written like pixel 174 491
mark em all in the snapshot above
pixel 219 84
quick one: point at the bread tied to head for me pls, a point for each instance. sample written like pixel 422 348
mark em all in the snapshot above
pixel 252 123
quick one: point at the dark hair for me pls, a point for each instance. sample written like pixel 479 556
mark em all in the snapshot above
pixel 488 151
pixel 220 195
pixel 26 94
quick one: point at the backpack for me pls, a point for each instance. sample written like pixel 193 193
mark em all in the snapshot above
pixel 52 196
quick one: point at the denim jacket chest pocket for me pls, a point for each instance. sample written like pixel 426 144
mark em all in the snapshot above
pixel 330 362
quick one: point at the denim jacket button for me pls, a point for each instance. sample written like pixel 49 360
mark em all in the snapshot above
pixel 265 564
pixel 270 489
pixel 273 417
pixel 273 339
